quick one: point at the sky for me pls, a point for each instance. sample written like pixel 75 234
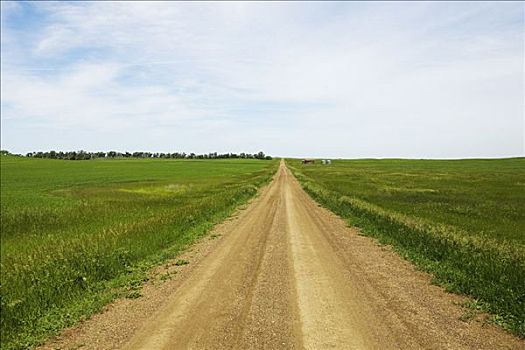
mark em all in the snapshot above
pixel 297 79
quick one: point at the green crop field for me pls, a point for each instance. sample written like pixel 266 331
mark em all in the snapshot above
pixel 76 234
pixel 462 220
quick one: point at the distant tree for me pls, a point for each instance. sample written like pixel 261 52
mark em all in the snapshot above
pixel 84 155
pixel 81 155
pixel 71 155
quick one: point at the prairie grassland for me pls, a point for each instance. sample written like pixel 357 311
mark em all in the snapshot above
pixel 75 234
pixel 461 220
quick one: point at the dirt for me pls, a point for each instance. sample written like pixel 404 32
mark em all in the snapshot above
pixel 285 273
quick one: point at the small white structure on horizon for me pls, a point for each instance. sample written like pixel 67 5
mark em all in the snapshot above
pixel 326 161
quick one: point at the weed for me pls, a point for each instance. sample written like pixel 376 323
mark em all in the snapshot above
pixel 165 276
pixel 134 294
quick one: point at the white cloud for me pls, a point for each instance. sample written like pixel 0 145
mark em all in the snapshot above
pixel 335 79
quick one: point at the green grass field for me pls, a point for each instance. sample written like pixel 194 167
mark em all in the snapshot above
pixel 76 234
pixel 462 220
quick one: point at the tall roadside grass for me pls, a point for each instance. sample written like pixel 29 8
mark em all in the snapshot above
pixel 67 251
pixel 489 269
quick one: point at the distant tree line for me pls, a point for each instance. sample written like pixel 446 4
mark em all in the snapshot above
pixel 83 155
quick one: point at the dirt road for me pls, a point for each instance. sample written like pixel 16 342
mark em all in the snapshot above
pixel 288 274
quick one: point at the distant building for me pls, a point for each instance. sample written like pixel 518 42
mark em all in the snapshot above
pixel 308 161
